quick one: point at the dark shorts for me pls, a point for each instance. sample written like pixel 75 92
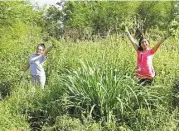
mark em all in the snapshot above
pixel 145 82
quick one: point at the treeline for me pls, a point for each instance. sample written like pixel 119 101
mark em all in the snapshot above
pixel 12 12
pixel 85 19
pixel 88 19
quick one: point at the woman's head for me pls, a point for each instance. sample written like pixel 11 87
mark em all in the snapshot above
pixel 143 44
pixel 40 49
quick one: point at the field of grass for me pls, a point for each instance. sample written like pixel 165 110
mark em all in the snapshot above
pixel 90 87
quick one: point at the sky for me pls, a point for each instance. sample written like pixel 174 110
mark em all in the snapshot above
pixel 41 3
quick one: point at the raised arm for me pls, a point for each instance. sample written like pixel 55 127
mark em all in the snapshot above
pixel 53 45
pixel 35 58
pixel 48 50
pixel 134 43
pixel 155 48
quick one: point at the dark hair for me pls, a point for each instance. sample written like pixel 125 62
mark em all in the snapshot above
pixel 140 42
pixel 41 44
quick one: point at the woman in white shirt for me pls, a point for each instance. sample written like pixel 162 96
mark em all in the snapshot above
pixel 35 64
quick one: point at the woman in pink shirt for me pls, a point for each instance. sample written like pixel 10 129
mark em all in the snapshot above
pixel 144 69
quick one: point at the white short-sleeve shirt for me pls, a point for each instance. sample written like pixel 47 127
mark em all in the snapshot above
pixel 36 64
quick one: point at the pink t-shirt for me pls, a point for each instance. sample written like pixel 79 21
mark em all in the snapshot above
pixel 144 64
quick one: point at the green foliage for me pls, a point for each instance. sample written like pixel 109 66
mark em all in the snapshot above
pixel 65 123
pixel 19 29
pixel 15 11
pixel 100 88
pixel 149 10
pixel 53 22
pixel 84 19
pixel 90 85
pixel 158 119
pixel 101 18
pixel 173 27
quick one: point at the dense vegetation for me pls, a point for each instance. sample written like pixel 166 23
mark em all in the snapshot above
pixel 90 84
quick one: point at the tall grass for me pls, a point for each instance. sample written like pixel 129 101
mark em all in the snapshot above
pixel 90 86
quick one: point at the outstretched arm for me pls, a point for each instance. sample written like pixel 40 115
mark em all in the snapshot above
pixel 134 43
pixel 155 48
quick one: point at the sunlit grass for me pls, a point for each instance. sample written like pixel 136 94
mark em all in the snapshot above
pixel 93 82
